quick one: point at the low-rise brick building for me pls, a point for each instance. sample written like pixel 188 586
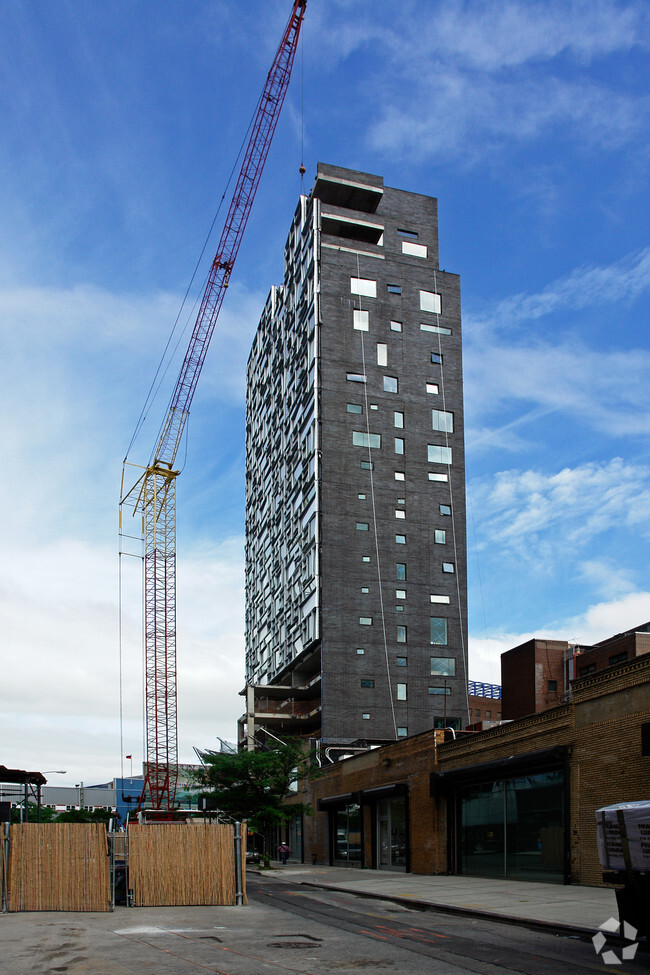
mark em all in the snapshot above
pixel 516 800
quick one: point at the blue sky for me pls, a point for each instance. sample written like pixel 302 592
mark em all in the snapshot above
pixel 121 123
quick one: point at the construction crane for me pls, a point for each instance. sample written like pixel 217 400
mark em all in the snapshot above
pixel 154 493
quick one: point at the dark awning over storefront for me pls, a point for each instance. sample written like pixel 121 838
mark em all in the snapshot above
pixel 548 758
pixel 346 798
pixel 384 792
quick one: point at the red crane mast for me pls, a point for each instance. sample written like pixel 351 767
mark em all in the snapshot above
pixel 154 494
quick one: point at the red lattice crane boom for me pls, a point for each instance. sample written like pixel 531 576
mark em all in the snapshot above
pixel 154 494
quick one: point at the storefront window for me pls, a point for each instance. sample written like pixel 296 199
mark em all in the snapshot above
pixel 347 835
pixel 514 827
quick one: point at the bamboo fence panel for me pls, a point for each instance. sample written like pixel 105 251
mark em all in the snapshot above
pixel 58 867
pixel 176 864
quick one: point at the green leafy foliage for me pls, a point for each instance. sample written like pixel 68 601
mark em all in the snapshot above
pixel 251 785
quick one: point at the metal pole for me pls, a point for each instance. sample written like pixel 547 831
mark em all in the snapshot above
pixel 239 892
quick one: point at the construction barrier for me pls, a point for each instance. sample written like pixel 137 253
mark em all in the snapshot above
pixel 57 867
pixel 178 864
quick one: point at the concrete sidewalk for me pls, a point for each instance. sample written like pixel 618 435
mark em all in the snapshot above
pixel 572 909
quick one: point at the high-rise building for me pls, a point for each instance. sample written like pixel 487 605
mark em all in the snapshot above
pixel 355 478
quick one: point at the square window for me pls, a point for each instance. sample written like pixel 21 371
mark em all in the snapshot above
pixel 442 420
pixel 400 513
pixel 354 408
pixel 400 594
pixel 438 631
pixel 443 666
pixel 390 384
pixel 366 716
pixel 365 621
pixel 401 692
pixel 382 354
pixel 363 286
pixel 361 320
pixel 440 536
pixel 402 731
pixel 360 651
pixel 394 289
pixel 433 388
pixel 429 301
pixel 447 566
pixel 362 526
pixel 437 454
pixel 367 682
pixel 396 326
pixel 439 599
pixel 398 419
pixel 401 634
pixel 400 476
pixel 444 509
pixel 436 358
pixel 399 445
pixel 400 571
pixel 400 539
pixel 401 661
pixel 444 478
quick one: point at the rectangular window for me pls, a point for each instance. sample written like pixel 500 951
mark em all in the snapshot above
pixel 364 589
pixel 361 320
pixel 396 326
pixel 402 731
pixel 400 476
pixel 367 465
pixel 438 631
pixel 443 666
pixel 400 513
pixel 437 454
pixel 366 716
pixel 390 384
pixel 355 377
pixel 447 566
pixel 414 250
pixel 401 634
pixel 363 286
pixel 354 408
pixel 400 571
pixel 401 692
pixel 394 289
pixel 440 690
pixel 444 509
pixel 429 301
pixel 438 477
pixel 400 539
pixel 365 621
pixel 436 358
pixel 365 558
pixel 438 599
pixel 399 609
pixel 401 661
pixel 382 354
pixel 367 682
pixel 398 420
pixel 440 536
pixel 362 439
pixel 433 388
pixel 361 651
pixel 361 497
pixel 442 420
pixel 407 234
pixel 362 526
pixel 438 329
pixel 399 445
pixel 373 406
pixel 400 594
